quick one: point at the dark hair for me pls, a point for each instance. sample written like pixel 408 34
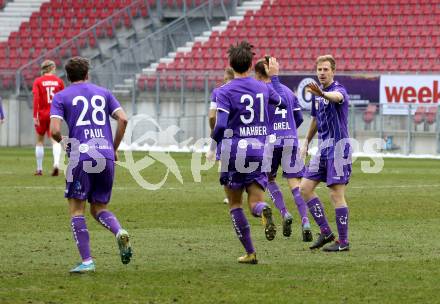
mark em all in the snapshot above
pixel 260 69
pixel 240 56
pixel 77 68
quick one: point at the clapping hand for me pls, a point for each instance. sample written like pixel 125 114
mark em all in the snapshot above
pixel 314 88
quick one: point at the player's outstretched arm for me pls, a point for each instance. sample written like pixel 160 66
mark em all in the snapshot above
pixel 217 133
pixel 334 96
pixel 55 128
pixel 273 70
pixel 310 134
pixel 220 126
pixel 121 119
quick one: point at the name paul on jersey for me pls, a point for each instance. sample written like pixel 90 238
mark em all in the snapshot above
pixel 93 133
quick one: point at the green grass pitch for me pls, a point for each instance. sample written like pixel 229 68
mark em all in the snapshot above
pixel 185 249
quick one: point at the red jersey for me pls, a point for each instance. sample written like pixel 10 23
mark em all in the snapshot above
pixel 44 88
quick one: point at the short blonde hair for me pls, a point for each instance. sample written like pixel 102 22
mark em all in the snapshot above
pixel 229 73
pixel 47 66
pixel 328 58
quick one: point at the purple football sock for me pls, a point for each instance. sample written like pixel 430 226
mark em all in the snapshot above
pixel 258 209
pixel 277 197
pixel 242 229
pixel 81 236
pixel 317 211
pixel 342 224
pixel 109 221
pixel 301 205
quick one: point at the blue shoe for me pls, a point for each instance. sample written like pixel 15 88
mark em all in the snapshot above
pixel 124 246
pixel 82 268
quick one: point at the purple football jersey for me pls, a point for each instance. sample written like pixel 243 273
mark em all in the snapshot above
pixel 246 100
pixel 213 102
pixel 2 115
pixel 214 95
pixel 332 121
pixel 86 108
pixel 282 122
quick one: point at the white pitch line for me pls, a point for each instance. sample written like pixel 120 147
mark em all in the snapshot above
pixel 393 186
pixel 219 187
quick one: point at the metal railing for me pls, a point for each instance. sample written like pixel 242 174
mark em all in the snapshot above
pixel 138 55
pixel 159 44
pixel 182 100
pixel 414 132
pixel 183 97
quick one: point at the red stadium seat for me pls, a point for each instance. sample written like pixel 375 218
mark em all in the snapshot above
pixel 41 32
pixel 431 114
pixel 367 35
pixel 419 115
pixel 370 112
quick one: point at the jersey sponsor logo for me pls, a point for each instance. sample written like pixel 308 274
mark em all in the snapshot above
pixel 83 148
pixel 272 138
pixel 323 100
pixel 242 143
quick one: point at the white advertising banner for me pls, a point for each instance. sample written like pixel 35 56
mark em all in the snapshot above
pixel 399 91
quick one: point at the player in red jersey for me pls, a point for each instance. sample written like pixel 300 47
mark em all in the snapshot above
pixel 44 89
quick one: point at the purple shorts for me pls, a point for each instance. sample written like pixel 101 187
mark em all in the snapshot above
pixel 292 164
pixel 325 170
pixel 95 187
pixel 234 179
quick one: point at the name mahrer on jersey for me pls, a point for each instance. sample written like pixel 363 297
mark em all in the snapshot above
pixel 253 131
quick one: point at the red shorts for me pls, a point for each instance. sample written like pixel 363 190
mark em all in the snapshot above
pixel 44 126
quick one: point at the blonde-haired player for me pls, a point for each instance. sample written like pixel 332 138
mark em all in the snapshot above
pixel 44 89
